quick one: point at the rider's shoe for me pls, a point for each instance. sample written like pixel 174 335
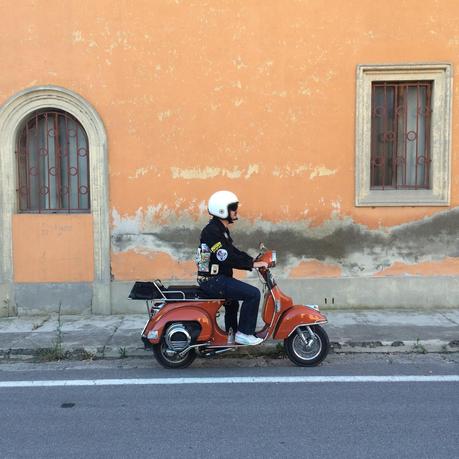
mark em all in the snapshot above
pixel 248 340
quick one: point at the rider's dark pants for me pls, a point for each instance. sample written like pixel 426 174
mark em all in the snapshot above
pixel 231 309
pixel 232 289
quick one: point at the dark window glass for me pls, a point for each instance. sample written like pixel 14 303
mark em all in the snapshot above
pixel 400 135
pixel 53 164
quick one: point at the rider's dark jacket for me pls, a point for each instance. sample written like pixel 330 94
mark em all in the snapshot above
pixel 216 241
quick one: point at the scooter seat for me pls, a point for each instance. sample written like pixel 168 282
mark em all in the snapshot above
pixel 157 291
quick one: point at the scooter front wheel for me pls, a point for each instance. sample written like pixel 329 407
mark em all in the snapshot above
pixel 307 351
pixel 169 359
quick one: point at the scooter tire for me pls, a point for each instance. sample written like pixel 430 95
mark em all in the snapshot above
pixel 164 361
pixel 298 353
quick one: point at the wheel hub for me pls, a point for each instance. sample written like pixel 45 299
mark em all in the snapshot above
pixel 306 350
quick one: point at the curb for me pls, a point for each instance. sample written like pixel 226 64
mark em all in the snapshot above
pixel 269 350
pixel 391 347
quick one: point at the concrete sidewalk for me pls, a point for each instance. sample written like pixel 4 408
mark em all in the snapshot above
pixel 85 337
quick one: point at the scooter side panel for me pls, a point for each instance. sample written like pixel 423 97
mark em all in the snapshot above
pixel 188 314
pixel 295 316
pixel 268 310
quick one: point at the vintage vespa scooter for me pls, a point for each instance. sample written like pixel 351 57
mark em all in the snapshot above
pixel 183 321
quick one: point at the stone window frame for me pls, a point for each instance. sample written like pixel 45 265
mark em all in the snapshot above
pixel 13 112
pixel 439 194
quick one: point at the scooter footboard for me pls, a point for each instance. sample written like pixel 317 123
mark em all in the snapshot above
pixel 294 317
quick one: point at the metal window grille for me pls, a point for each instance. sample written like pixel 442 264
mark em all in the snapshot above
pixel 53 164
pixel 400 135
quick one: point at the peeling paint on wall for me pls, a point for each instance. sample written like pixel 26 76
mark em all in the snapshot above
pixel 77 36
pixel 205 173
pixel 321 172
pixel 339 246
pixel 211 172
pixel 293 171
pixel 126 225
pixel 141 171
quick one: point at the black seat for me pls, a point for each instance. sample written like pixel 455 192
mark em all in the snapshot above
pixel 157 291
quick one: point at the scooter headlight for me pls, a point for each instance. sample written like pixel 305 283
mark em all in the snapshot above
pixel 273 258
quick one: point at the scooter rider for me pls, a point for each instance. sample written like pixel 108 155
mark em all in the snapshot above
pixel 216 259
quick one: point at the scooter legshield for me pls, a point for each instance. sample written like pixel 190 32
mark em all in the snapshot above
pixel 294 317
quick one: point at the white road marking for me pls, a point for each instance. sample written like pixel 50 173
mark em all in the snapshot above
pixel 228 380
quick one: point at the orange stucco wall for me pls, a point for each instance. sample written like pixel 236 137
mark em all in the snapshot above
pixel 131 265
pixel 53 248
pixel 446 267
pixel 250 95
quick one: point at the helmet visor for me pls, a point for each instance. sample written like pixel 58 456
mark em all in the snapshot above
pixel 233 206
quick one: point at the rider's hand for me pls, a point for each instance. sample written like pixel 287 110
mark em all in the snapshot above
pixel 260 264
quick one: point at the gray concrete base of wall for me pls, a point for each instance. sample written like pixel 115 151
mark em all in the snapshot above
pixel 342 293
pixel 72 298
pixel 376 292
pixel 5 299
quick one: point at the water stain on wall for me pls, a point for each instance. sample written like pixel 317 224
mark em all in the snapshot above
pixel 348 248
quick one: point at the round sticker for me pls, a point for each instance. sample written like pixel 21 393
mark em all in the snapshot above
pixel 222 254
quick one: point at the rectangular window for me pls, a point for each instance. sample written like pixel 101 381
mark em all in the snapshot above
pixel 403 134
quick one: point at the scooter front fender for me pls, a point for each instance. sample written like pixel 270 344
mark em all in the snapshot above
pixel 294 317
pixel 190 314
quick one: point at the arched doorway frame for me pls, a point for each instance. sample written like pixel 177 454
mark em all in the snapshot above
pixel 12 113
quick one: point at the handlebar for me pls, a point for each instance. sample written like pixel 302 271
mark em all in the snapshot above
pixel 268 256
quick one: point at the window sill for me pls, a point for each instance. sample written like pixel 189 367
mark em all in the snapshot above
pixel 401 198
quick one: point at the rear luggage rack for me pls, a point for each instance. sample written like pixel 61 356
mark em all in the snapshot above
pixel 155 291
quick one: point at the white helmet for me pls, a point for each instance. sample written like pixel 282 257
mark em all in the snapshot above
pixel 219 202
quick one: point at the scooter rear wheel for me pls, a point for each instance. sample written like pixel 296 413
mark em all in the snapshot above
pixel 161 353
pixel 307 355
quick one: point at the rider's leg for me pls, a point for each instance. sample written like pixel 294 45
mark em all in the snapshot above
pixel 232 289
pixel 250 296
pixel 231 309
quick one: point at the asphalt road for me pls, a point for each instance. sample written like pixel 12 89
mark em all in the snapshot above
pixel 329 419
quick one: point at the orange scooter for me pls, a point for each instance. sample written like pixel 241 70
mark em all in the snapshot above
pixel 183 322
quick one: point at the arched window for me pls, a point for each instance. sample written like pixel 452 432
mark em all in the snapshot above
pixel 13 114
pixel 52 156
